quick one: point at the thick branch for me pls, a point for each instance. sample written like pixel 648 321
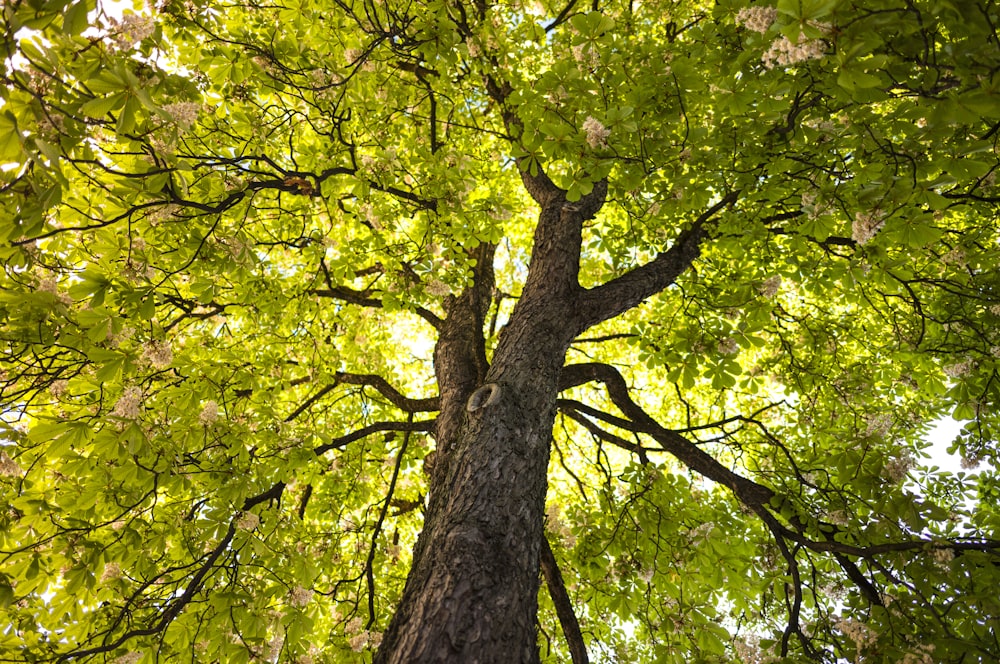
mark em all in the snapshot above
pixel 691 455
pixel 755 496
pixel 402 402
pixel 632 288
pixel 337 443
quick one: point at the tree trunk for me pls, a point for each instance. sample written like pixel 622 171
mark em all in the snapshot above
pixel 472 592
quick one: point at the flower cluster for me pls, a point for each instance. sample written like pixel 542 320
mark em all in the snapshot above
pixel 784 52
pixel 359 638
pixel 748 650
pixel 300 597
pixel 586 55
pixel 920 655
pixel 865 226
pixel 183 113
pixel 8 467
pixel 862 635
pixel 248 521
pixel 209 413
pixel 770 287
pixel 971 461
pixel 129 404
pixel 132 29
pixel 878 425
pixel 273 651
pixel 597 134
pixel 943 556
pixel 438 288
pixel 757 18
pixel 959 369
pixel 897 467
pixel 158 354
pixel 728 346
pixel 48 284
pixel 837 517
pixel 112 571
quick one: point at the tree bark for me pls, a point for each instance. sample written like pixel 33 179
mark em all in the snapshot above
pixel 472 592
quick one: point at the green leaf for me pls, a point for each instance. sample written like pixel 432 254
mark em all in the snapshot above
pixel 75 18
pixel 99 107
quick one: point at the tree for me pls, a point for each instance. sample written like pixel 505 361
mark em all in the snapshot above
pixel 638 313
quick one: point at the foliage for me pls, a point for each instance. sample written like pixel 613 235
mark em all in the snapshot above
pixel 230 232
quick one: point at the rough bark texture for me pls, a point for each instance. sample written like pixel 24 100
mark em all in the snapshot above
pixel 471 595
pixel 472 591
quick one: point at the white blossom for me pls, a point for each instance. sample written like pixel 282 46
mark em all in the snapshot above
pixel 247 521
pixel 355 625
pixel 300 597
pixel 597 134
pixel 127 658
pixel 8 467
pixel 943 555
pixel 112 571
pixel 438 288
pixel 919 655
pixel 274 647
pixel 158 354
pixel 865 226
pixel 586 55
pixel 368 213
pixel 48 285
pixel 209 413
pixel 862 635
pixel 878 425
pixel 784 52
pixel 770 287
pixel 897 467
pixel 132 29
pixel 757 18
pixel 128 405
pixel 183 113
pixel 970 461
pixel 959 369
pixel 358 641
pixel 748 650
pixel 837 517
pixel 954 257
pixel 728 346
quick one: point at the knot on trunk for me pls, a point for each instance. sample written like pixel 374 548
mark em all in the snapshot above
pixel 485 396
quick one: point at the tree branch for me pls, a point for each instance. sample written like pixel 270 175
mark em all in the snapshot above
pixel 173 608
pixel 402 402
pixel 687 452
pixel 370 561
pixel 755 496
pixel 564 607
pixel 422 425
pixel 617 296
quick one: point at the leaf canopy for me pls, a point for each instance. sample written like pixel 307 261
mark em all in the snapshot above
pixel 230 233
